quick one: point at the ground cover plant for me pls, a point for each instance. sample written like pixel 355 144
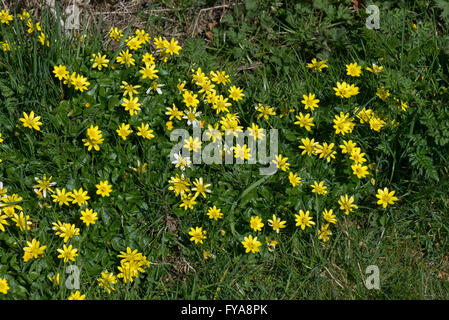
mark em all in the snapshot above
pixel 96 205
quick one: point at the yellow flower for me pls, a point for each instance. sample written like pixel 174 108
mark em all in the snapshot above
pixel 319 188
pixel 145 132
pixel 67 253
pixel 3 222
pixel 329 216
pixel 219 77
pixel 123 131
pixel 23 222
pixel 132 105
pixel 79 82
pixel 99 61
pixel 383 93
pixel 77 296
pixel 107 281
pixel 251 244
pixel 385 197
pixel 61 72
pixel 4 287
pixel 80 197
pixel 236 93
pixel 281 162
pixel 375 69
pixel 353 70
pixel 149 72
pixel 172 47
pixel 197 235
pixel 265 111
pixel 304 220
pixel 276 223
pixel 308 146
pixel 190 99
pixel 256 223
pixel 94 138
pixel 305 121
pixel 126 58
pixel 294 179
pixel 169 125
pixel 104 188
pixel 30 121
pixel 317 65
pixel 5 17
pixel 346 203
pixel 359 170
pixel 33 250
pixel 88 216
pixel 201 188
pixel 310 101
pixel 115 33
pixel 192 144
pixel 214 213
pixel 62 197
pixel 324 233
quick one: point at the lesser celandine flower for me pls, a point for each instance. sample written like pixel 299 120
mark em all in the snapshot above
pixel 281 162
pixel 5 17
pixel 77 296
pixel 385 197
pixel 61 197
pixel 317 65
pixel 294 179
pixel 214 213
pixel 79 82
pixel 353 70
pixel 22 221
pixel 61 72
pixel 3 222
pixel 33 250
pixel 319 188
pixel 324 233
pixel 304 220
pixel 309 101
pixel 145 132
pixel 124 131
pixel 132 105
pixel 329 216
pixel 251 244
pixel 265 111
pixel 115 33
pixel 43 185
pixel 256 223
pixel 107 281
pixel 201 188
pixel 235 93
pixel 88 216
pixel 80 197
pixel 99 61
pixel 172 47
pixel 276 223
pixel 347 203
pixel 30 121
pixel 126 58
pixel 67 253
pixel 305 121
pixel 197 235
pixel 104 188
pixel 4 287
pixel 308 146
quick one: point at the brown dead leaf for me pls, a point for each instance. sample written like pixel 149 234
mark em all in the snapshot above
pixel 209 35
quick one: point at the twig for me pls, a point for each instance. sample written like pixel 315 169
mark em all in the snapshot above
pixel 204 10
